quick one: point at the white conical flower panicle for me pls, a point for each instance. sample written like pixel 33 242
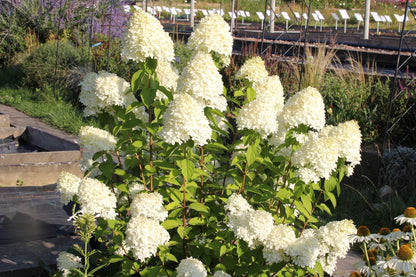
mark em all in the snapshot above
pixel 201 79
pixel 168 77
pixel 99 92
pixel 144 236
pixel 316 158
pixel 185 119
pixel 305 107
pixel 348 136
pixel 191 267
pixel 253 70
pixel 95 139
pixel 97 199
pixel 67 185
pixel 212 34
pixel 258 115
pixel 145 38
pixel 149 205
pixel 279 238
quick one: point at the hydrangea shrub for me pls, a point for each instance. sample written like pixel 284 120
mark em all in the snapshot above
pixel 192 180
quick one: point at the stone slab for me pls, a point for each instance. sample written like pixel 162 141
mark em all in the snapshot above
pixel 14 132
pixel 4 120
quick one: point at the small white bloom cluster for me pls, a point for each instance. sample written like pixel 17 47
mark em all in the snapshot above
pixel 144 233
pixel 185 119
pixel 95 139
pixel 253 70
pixel 99 92
pixel 212 34
pixel 191 267
pixel 280 243
pixel 261 114
pixel 149 205
pixel 316 158
pixel 252 226
pixel 66 262
pixel 318 155
pixel 143 237
pixel 97 199
pixel 305 107
pixel 168 77
pixel 145 38
pixel 67 185
pixel 201 79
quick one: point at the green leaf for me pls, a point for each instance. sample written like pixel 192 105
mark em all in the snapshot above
pixel 187 168
pixel 284 194
pixel 106 169
pixel 330 184
pixel 119 172
pixel 251 154
pixel 307 203
pixel 223 250
pixel 251 94
pixel 199 207
pixel 171 223
pixel 197 221
pixel 331 197
pixel 238 93
pixel 136 80
pixel 148 96
pixel 183 231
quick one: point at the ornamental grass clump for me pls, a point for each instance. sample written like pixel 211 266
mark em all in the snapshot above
pixel 188 179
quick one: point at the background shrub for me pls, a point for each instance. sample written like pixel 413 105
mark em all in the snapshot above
pixel 49 63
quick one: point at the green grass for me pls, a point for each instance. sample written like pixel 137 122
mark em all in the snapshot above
pixel 43 105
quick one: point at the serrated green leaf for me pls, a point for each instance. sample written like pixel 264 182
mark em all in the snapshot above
pixel 136 80
pixel 284 193
pixel 251 94
pixel 251 154
pixel 197 221
pixel 171 223
pixel 187 168
pixel 199 207
pixel 148 96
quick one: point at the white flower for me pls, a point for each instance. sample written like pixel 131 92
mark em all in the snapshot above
pixel 143 237
pixel 149 205
pixel 168 77
pixel 348 136
pixel 212 34
pixel 236 205
pixel 135 188
pixel 271 90
pixel 67 186
pixel 305 107
pixel 99 92
pixel 185 119
pixel 221 274
pixel 280 237
pixel 408 217
pixel 253 70
pixel 191 267
pixel 201 79
pixel 404 263
pixel 66 262
pixel 144 38
pixel 305 250
pixel 95 139
pixel 97 199
pixel 316 158
pixel 258 115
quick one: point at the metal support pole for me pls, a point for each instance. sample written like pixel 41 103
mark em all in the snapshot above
pixel 367 19
pixel 272 15
pixel 192 13
pixel 232 16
